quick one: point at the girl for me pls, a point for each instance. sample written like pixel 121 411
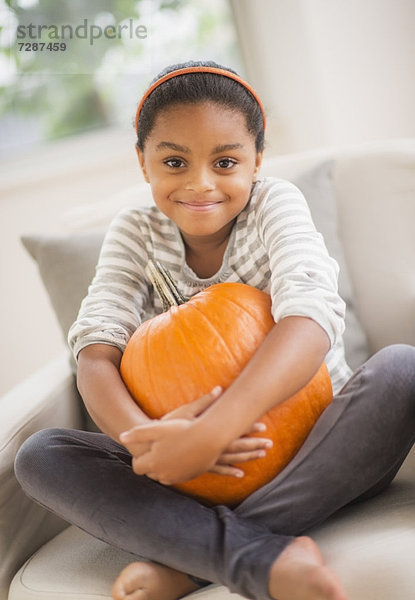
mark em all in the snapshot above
pixel 200 139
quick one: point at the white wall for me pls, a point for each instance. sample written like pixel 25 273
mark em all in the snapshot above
pixel 331 71
pixel 36 191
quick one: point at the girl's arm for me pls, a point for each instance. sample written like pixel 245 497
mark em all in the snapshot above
pixel 105 396
pixel 284 363
pixel 113 409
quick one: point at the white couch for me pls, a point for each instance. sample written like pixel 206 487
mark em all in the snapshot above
pixel 363 199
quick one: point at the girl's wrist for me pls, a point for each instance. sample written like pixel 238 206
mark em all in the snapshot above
pixel 211 433
pixel 215 432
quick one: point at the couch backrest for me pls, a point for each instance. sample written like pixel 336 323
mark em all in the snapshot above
pixel 374 186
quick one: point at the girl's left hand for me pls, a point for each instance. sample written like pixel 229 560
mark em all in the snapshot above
pixel 174 449
pixel 178 451
pixel 187 411
pixel 241 450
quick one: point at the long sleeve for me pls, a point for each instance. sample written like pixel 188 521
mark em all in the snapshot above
pixel 119 291
pixel 303 275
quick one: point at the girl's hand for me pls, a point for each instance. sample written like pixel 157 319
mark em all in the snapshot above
pixel 238 451
pixel 141 442
pixel 242 450
pixel 188 411
pixel 179 450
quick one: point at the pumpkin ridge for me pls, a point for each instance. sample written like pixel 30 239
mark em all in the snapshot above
pixel 147 351
pixel 218 335
pixel 179 324
pixel 255 322
pixel 202 368
pixel 245 309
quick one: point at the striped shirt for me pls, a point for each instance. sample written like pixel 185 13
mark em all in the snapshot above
pixel 273 246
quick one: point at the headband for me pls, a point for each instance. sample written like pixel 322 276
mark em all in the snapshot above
pixel 186 70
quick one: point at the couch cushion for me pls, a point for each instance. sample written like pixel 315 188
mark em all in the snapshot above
pixel 317 186
pixel 44 399
pixel 370 545
pixel 72 565
pixel 376 201
pixel 67 263
pixel 76 566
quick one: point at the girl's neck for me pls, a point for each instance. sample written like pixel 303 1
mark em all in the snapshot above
pixel 204 255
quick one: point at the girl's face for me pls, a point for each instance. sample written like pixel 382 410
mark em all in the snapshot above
pixel 200 160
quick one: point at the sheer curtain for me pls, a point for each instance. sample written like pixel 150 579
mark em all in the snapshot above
pixel 330 72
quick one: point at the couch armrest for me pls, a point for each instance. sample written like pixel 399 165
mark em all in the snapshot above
pixel 46 399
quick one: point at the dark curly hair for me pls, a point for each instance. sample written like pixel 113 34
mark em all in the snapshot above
pixel 192 88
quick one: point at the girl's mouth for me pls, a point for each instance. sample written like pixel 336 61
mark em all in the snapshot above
pixel 200 206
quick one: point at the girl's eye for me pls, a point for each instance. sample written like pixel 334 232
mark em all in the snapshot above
pixel 174 163
pixel 226 163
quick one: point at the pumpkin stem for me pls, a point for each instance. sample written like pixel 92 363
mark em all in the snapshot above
pixel 164 285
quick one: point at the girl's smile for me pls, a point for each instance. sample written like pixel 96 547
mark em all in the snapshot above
pixel 201 161
pixel 200 206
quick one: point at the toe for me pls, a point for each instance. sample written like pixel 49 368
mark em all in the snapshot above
pixel 126 585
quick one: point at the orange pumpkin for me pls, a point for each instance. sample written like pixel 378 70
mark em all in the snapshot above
pixel 183 353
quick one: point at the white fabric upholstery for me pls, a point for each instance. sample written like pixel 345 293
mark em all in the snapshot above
pixel 371 545
pixel 376 195
pixel 46 398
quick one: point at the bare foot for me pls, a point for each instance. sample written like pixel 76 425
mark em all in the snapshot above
pixel 150 581
pixel 299 573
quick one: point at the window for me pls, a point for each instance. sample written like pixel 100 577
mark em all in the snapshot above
pixel 68 67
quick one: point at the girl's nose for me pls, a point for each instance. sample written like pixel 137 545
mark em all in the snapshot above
pixel 199 181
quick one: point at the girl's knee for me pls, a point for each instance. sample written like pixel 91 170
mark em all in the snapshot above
pixel 33 456
pixel 395 366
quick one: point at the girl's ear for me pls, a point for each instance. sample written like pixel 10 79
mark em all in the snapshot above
pixel 140 157
pixel 258 163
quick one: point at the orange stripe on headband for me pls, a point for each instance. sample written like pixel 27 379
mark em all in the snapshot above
pixel 186 70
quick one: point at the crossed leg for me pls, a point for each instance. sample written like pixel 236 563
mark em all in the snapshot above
pixel 298 573
pixel 354 450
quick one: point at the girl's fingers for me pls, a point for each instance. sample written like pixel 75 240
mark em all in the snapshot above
pixel 152 431
pixel 155 477
pixel 227 470
pixel 230 459
pixel 201 404
pixel 257 427
pixel 244 449
pixel 141 433
pixel 197 407
pixel 139 468
pixel 138 449
pixel 248 444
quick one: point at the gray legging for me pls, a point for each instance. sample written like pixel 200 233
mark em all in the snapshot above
pixel 353 452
